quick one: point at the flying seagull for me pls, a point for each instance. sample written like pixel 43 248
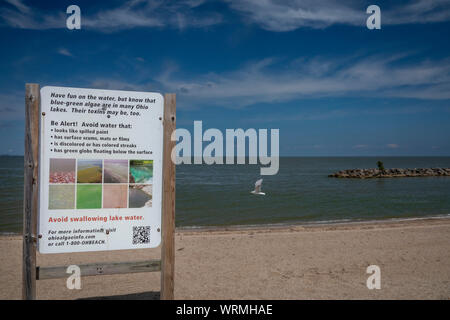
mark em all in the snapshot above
pixel 258 188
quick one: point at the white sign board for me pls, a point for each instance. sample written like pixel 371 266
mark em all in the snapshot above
pixel 100 170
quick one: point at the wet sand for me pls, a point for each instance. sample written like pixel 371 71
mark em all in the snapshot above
pixel 287 262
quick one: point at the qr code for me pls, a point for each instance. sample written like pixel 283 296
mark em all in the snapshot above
pixel 141 235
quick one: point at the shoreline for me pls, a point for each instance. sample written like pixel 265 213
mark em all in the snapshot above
pixel 314 224
pixel 299 225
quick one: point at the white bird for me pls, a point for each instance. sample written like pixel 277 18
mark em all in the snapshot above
pixel 258 188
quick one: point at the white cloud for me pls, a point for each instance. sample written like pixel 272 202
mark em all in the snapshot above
pixel 270 80
pixel 418 11
pixel 291 15
pixel 19 5
pixel 276 15
pixel 65 52
pixel 131 14
pixel 393 146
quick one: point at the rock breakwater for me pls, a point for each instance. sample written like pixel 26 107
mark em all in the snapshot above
pixel 391 173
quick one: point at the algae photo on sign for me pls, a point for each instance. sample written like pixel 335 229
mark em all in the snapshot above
pixel 116 171
pixel 115 195
pixel 140 195
pixel 62 170
pixel 89 171
pixel 61 197
pixel 141 171
pixel 89 196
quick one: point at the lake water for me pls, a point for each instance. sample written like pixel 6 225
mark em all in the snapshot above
pixel 301 192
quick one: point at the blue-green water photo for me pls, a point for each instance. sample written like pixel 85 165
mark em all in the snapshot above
pixel 141 171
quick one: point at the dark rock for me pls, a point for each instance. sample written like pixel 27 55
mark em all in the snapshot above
pixel 390 173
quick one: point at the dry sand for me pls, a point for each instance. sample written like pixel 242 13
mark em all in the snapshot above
pixel 301 262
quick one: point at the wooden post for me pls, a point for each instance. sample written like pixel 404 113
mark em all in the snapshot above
pixel 31 185
pixel 168 201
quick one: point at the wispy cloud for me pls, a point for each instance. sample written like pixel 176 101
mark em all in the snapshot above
pixel 131 14
pixel 393 146
pixel 19 5
pixel 273 15
pixel 270 80
pixel 289 15
pixel 418 11
pixel 309 113
pixel 65 52
pixel 19 15
pixel 141 13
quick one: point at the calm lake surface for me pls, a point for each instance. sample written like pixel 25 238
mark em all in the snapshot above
pixel 301 192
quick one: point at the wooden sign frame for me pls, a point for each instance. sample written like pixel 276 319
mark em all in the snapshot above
pixel 31 272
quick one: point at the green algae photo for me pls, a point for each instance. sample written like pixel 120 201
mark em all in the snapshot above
pixel 89 171
pixel 141 171
pixel 89 196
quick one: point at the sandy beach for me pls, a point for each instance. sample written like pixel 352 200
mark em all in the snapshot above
pixel 295 262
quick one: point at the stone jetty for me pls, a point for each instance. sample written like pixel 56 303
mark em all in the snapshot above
pixel 391 173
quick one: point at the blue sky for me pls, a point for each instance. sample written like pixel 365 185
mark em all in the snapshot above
pixel 310 68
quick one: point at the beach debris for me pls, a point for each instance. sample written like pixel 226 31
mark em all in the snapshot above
pixel 257 190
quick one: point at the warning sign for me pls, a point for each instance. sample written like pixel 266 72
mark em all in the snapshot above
pixel 100 170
